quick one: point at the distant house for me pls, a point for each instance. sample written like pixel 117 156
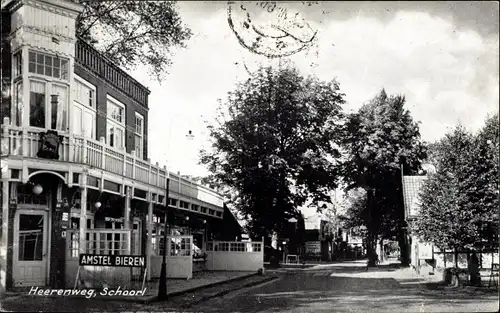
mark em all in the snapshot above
pixel 426 255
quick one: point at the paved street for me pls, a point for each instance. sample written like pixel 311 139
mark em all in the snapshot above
pixel 348 287
pixel 342 287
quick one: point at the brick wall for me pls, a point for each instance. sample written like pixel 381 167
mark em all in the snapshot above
pixel 102 90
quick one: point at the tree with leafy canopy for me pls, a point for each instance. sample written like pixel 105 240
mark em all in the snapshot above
pixel 379 139
pixel 134 32
pixel 276 146
pixel 441 218
pixel 459 203
pixel 482 181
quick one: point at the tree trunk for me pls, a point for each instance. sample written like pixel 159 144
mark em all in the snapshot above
pixel 473 266
pixel 275 256
pixel 382 252
pixel 371 251
pixel 403 249
pixel 456 257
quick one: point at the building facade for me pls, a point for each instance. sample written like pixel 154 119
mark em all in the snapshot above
pixel 76 177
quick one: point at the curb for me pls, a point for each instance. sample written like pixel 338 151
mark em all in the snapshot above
pixel 181 292
pixel 225 292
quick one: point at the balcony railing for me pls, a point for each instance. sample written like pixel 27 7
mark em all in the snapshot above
pixel 91 59
pixel 25 142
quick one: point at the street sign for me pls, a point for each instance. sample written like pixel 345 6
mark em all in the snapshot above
pixel 112 260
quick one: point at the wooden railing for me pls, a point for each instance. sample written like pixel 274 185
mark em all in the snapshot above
pixel 25 142
pixel 99 241
pixel 91 59
pixel 176 245
pixel 234 246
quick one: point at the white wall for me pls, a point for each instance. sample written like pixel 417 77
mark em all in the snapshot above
pixel 234 261
pixel 177 266
pixel 235 256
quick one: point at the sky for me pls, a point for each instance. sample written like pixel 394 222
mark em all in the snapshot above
pixel 443 56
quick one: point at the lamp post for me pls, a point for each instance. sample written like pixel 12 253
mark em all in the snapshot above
pixel 162 289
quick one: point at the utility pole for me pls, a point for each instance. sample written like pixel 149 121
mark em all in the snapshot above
pixel 162 289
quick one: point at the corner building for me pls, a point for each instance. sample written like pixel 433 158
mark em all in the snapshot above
pixel 76 177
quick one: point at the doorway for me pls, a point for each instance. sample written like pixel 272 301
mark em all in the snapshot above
pixel 30 248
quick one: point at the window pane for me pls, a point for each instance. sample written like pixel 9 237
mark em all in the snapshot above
pixel 56 63
pixel 31 67
pixel 37 104
pixel 48 60
pixel 30 237
pixel 110 135
pixel 64 69
pixel 56 72
pixel 59 108
pixel 119 137
pixel 32 57
pixel 77 115
pixel 39 58
pixel 18 105
pixel 91 98
pixel 88 124
pixel 48 70
pixel 39 69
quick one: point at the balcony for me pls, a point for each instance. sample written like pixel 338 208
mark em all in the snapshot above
pixel 24 142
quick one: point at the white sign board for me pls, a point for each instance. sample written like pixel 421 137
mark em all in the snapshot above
pixel 425 251
pixel 313 247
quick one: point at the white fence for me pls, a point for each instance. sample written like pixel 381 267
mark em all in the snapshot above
pixel 235 256
pixel 100 242
pixel 179 256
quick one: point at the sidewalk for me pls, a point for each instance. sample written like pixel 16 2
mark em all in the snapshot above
pixel 175 287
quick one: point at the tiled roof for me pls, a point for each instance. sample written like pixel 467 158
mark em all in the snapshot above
pixel 411 189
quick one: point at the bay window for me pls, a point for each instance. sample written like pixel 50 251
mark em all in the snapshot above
pixel 48 65
pixel 139 135
pixel 47 79
pixel 115 128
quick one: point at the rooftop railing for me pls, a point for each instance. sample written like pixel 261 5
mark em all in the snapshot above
pixel 94 61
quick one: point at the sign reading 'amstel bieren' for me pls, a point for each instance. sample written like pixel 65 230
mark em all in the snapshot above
pixel 112 260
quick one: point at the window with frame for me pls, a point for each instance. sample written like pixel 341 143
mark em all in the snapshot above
pixel 84 94
pixel 37 104
pixel 17 64
pixel 59 107
pixel 84 114
pixel 16 113
pixel 48 65
pixel 139 135
pixel 115 125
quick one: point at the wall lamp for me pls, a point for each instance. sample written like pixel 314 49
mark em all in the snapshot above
pixel 36 189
